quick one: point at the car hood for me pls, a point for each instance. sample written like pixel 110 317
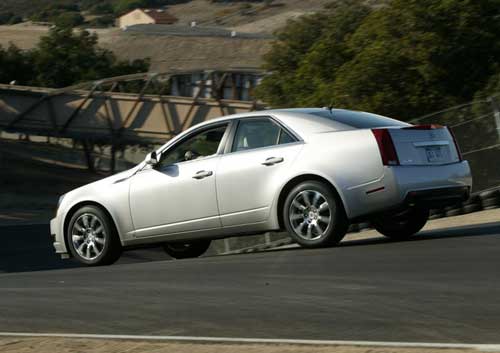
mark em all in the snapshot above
pixel 113 179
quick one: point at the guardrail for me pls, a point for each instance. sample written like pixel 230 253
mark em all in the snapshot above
pixel 476 126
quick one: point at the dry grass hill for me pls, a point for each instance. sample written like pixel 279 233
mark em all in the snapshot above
pixel 171 51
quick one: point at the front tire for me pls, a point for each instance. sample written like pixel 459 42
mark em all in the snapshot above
pixel 402 225
pixel 92 237
pixel 187 250
pixel 314 215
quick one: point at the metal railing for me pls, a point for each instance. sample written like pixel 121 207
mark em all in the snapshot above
pixel 476 126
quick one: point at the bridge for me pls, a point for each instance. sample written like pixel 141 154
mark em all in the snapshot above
pixel 127 110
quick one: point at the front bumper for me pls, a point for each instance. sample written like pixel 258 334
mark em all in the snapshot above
pixel 57 233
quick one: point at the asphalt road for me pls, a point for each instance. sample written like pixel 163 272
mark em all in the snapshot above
pixel 443 286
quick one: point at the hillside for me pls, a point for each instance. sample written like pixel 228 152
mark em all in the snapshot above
pixel 178 46
pixel 207 12
pixel 166 52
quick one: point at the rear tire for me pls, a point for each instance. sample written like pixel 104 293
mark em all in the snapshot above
pixel 402 225
pixel 314 215
pixel 92 237
pixel 187 250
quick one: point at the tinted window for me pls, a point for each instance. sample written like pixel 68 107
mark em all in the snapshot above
pixel 285 137
pixel 256 133
pixel 204 144
pixel 359 120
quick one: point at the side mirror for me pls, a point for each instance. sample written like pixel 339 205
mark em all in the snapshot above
pixel 151 159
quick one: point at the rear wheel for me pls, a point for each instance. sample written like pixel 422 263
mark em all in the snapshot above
pixel 314 216
pixel 187 250
pixel 92 237
pixel 402 225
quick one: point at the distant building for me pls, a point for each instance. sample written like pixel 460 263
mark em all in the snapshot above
pixel 146 16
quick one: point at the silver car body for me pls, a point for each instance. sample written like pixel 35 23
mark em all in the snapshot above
pixel 244 196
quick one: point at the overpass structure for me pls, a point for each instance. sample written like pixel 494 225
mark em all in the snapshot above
pixel 127 110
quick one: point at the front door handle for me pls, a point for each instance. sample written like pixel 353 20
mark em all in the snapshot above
pixel 203 174
pixel 273 160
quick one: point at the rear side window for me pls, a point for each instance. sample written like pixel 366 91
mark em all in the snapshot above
pixel 358 120
pixel 257 133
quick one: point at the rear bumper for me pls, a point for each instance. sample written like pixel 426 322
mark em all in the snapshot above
pixel 411 179
pixel 438 197
pixel 425 186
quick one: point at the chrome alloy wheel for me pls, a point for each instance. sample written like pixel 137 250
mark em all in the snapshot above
pixel 310 214
pixel 88 236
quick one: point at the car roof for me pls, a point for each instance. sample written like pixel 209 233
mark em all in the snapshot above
pixel 299 120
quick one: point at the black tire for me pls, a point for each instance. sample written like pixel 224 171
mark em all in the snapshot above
pixel 332 232
pixel 187 250
pixel 111 249
pixel 402 225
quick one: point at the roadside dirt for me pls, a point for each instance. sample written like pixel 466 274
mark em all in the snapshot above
pixel 63 345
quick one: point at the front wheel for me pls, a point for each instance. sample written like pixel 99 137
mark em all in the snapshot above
pixel 92 237
pixel 402 225
pixel 314 215
pixel 186 250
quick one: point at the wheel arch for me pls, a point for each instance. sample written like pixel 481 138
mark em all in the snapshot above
pixel 75 208
pixel 296 181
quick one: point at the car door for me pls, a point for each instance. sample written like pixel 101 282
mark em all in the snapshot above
pixel 250 173
pixel 179 193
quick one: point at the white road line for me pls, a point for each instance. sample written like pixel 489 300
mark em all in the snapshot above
pixel 480 347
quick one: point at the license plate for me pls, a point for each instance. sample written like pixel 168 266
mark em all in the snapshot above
pixel 434 154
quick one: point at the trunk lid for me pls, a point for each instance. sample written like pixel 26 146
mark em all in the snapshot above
pixel 424 145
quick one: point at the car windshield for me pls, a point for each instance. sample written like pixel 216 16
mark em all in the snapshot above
pixel 358 120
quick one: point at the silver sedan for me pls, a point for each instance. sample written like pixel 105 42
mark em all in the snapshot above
pixel 307 171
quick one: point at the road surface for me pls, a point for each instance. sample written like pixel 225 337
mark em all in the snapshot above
pixel 442 286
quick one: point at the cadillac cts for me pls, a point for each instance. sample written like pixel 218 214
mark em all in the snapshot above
pixel 308 171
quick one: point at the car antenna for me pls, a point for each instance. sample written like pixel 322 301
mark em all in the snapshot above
pixel 329 107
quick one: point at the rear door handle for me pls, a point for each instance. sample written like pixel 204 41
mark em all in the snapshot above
pixel 203 174
pixel 273 160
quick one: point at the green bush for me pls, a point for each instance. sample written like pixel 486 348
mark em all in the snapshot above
pixel 15 19
pixel 103 21
pixel 5 17
pixel 101 9
pixel 405 59
pixel 69 19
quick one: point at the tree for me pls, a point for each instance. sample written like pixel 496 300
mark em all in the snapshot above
pixel 101 9
pixel 69 19
pixel 307 54
pixel 15 65
pixel 123 6
pixel 405 59
pixel 63 58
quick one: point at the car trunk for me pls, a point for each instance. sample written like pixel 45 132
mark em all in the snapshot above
pixel 424 145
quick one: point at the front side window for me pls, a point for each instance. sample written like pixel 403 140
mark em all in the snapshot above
pixel 203 144
pixel 256 133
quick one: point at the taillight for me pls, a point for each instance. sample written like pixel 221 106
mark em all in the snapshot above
pixel 386 147
pixel 456 145
pixel 424 127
